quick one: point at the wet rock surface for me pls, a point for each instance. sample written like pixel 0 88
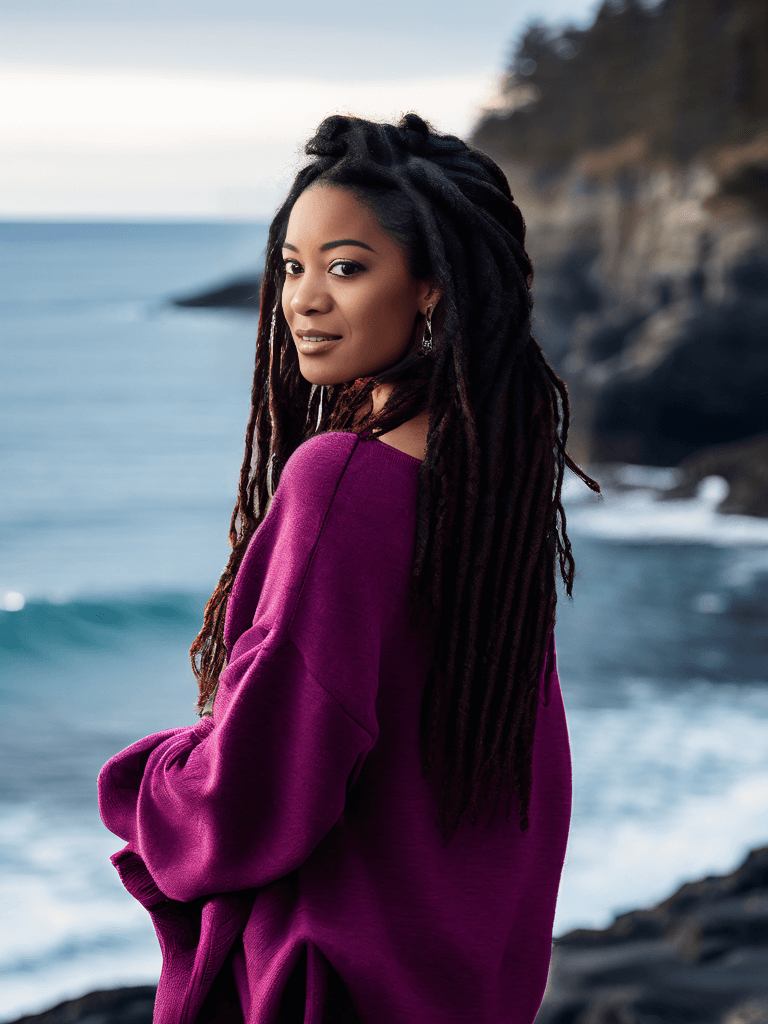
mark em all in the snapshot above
pixel 744 465
pixel 110 1006
pixel 699 957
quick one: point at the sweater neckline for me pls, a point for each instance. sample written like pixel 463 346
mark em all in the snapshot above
pixel 366 436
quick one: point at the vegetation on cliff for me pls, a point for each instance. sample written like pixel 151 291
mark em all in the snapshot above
pixel 686 74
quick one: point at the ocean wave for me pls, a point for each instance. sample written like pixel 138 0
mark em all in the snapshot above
pixel 669 785
pixel 634 507
pixel 30 628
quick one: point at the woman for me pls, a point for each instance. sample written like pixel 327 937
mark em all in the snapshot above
pixel 378 657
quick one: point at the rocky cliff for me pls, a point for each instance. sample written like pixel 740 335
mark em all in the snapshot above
pixel 638 153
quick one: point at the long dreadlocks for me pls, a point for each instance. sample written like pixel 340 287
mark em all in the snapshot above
pixel 490 521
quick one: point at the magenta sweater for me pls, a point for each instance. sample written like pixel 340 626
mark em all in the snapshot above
pixel 287 847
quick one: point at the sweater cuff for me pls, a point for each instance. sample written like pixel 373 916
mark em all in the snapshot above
pixel 136 878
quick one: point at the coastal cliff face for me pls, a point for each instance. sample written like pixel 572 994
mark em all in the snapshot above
pixel 649 242
pixel 652 300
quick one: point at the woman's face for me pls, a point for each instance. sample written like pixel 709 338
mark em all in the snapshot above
pixel 347 283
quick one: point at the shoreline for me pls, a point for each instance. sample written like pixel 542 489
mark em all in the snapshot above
pixel 700 955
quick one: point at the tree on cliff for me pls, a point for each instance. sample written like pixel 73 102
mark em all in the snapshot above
pixel 687 74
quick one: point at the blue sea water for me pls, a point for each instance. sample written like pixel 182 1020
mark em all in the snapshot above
pixel 121 430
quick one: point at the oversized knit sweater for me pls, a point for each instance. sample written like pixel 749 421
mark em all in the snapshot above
pixel 287 847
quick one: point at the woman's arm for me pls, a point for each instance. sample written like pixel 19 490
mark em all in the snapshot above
pixel 245 796
pixel 238 801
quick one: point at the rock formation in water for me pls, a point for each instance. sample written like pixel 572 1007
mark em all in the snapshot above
pixel 638 152
pixel 240 293
pixel 744 467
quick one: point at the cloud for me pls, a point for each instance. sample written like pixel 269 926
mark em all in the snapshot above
pixel 139 142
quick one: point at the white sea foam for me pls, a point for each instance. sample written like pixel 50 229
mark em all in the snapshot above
pixel 70 927
pixel 636 511
pixel 667 789
pixel 616 866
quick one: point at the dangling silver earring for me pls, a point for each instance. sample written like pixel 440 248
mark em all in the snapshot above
pixel 426 341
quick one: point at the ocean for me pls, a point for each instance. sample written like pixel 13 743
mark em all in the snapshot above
pixel 122 420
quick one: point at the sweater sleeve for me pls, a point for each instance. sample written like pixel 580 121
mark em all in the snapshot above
pixel 243 797
pixel 237 803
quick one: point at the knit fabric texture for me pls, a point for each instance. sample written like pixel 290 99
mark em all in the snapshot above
pixel 287 846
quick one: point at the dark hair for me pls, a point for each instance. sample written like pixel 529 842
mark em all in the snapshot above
pixel 490 522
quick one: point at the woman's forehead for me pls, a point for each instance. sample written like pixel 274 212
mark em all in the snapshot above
pixel 327 210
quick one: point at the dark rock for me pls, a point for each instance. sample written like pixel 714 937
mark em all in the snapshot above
pixel 750 186
pixel 699 957
pixel 749 277
pixel 242 293
pixel 610 337
pixel 710 389
pixel 572 291
pixel 744 465
pixel 107 1006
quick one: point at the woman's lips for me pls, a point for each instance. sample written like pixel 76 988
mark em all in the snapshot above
pixel 310 335
pixel 309 347
pixel 315 341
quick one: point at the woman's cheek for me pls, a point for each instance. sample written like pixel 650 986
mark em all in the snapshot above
pixel 286 306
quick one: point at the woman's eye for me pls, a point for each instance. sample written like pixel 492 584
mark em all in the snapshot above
pixel 292 267
pixel 345 268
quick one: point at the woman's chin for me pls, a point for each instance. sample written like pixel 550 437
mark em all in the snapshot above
pixel 320 379
pixel 312 370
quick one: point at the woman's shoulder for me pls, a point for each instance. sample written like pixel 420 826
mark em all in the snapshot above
pixel 318 460
pixel 283 545
pixel 331 446
pixel 337 468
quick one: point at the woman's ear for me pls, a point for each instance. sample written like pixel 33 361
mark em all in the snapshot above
pixel 430 295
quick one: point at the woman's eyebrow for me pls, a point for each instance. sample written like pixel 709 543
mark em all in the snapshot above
pixel 345 241
pixel 333 245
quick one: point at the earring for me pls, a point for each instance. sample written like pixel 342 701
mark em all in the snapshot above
pixel 426 341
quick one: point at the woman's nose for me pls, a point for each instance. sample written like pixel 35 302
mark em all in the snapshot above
pixel 311 295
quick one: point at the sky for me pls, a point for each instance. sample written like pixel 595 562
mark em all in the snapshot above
pixel 198 109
